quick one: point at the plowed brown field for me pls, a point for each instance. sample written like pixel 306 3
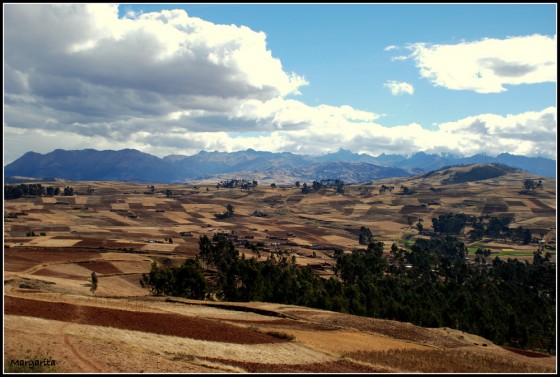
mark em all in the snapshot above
pixel 157 323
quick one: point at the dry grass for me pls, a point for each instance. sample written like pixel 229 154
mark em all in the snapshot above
pixel 447 361
pixel 50 242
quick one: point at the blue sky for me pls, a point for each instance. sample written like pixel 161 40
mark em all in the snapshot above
pixel 372 78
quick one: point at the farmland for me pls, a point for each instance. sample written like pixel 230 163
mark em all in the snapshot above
pixel 117 230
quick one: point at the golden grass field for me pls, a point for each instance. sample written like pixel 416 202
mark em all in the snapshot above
pixel 49 310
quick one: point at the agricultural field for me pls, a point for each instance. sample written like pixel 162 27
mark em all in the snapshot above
pixel 117 230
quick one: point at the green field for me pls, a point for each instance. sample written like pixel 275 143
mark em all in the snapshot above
pixel 502 252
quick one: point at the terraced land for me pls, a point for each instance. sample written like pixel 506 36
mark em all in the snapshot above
pixel 118 231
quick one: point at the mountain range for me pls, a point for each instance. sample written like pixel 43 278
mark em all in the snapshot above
pixel 285 167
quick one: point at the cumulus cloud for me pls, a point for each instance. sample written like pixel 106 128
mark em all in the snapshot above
pixel 399 88
pixel 78 51
pixel 487 65
pixel 524 134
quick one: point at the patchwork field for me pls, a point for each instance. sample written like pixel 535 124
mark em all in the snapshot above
pixel 51 249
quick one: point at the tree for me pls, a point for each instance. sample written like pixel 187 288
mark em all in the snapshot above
pixel 189 281
pixel 365 236
pixel 419 225
pixel 527 237
pixel 229 210
pixel 205 250
pixel 297 184
pixel 93 282
pixel 375 260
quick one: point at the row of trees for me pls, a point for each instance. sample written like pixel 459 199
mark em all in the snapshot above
pixel 512 303
pixel 37 189
pixel 242 183
pixel 338 184
pixel 33 189
pixel 405 190
pixel 482 226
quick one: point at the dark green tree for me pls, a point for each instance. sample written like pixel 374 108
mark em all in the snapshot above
pixel 365 236
pixel 229 210
pixel 94 280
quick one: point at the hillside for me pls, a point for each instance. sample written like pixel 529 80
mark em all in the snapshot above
pixel 86 334
pixel 53 244
pixel 469 173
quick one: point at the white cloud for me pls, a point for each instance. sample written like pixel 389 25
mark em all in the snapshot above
pixel 527 133
pixel 390 48
pixel 399 88
pixel 487 65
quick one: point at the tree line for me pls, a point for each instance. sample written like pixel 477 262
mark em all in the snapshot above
pixel 482 226
pixel 338 184
pixel 33 189
pixel 36 189
pixel 512 303
pixel 232 183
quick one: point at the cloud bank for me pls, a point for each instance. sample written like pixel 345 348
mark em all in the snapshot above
pixel 77 76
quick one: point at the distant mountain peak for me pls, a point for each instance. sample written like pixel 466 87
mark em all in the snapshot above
pixel 344 151
pixel 131 164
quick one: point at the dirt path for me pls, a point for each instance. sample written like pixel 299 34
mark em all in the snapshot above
pixel 84 362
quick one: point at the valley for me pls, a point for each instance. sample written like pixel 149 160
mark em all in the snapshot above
pixel 117 230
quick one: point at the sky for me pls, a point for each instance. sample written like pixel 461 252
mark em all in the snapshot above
pixel 170 79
